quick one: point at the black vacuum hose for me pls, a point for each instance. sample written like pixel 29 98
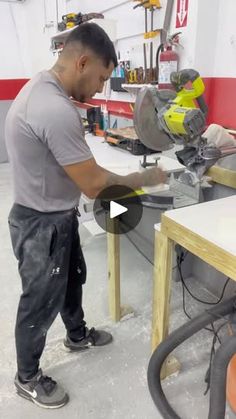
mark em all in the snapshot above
pixel 170 343
pixel 218 378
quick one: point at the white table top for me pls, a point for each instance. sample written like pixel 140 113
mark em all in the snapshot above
pixel 122 162
pixel 214 221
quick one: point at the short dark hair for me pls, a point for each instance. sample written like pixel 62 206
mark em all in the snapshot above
pixel 95 38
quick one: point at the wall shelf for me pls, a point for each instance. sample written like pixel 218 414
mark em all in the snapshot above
pixel 60 36
pixel 108 25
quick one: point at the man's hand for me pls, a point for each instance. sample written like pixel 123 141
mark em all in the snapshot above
pixel 153 177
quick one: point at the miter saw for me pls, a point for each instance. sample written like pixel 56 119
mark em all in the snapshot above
pixel 164 118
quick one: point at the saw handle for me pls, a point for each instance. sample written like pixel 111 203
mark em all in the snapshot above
pixel 202 104
pixel 180 78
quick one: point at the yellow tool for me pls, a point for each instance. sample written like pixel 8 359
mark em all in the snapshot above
pixel 162 117
pixel 151 5
pixel 70 20
pixel 181 116
pixel 148 4
pixel 70 25
pixel 133 76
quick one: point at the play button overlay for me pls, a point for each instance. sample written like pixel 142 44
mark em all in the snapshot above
pixel 118 209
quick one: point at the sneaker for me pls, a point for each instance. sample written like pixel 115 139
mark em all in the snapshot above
pixel 92 338
pixel 42 390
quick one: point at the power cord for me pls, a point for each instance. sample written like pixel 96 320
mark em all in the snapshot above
pixel 142 253
pixel 212 330
pixel 180 260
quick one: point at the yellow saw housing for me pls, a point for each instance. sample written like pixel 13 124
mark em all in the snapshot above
pixel 182 116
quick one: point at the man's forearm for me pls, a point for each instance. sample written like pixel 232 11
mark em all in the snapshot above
pixel 93 179
pixel 133 180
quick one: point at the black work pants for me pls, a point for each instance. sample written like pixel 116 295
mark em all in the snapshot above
pixel 52 270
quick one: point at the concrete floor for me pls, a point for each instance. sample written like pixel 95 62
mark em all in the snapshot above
pixel 110 382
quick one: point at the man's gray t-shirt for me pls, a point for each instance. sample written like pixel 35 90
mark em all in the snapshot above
pixel 44 132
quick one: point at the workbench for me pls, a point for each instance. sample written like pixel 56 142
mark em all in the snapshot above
pixel 122 163
pixel 208 230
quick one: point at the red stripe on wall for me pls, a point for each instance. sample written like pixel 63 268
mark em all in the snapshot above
pixel 115 107
pixel 10 88
pixel 222 102
pixel 220 96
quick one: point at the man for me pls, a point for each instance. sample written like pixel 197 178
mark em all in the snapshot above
pixel 52 164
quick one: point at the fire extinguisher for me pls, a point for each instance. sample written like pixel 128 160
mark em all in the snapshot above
pixel 167 61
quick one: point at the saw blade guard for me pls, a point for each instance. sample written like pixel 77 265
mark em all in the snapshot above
pixel 148 104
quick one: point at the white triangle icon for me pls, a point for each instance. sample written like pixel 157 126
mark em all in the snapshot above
pixel 116 209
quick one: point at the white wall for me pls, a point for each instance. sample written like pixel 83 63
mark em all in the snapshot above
pixel 207 21
pixel 25 37
pixel 225 56
pixel 209 40
pixel 15 60
pixel 39 13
